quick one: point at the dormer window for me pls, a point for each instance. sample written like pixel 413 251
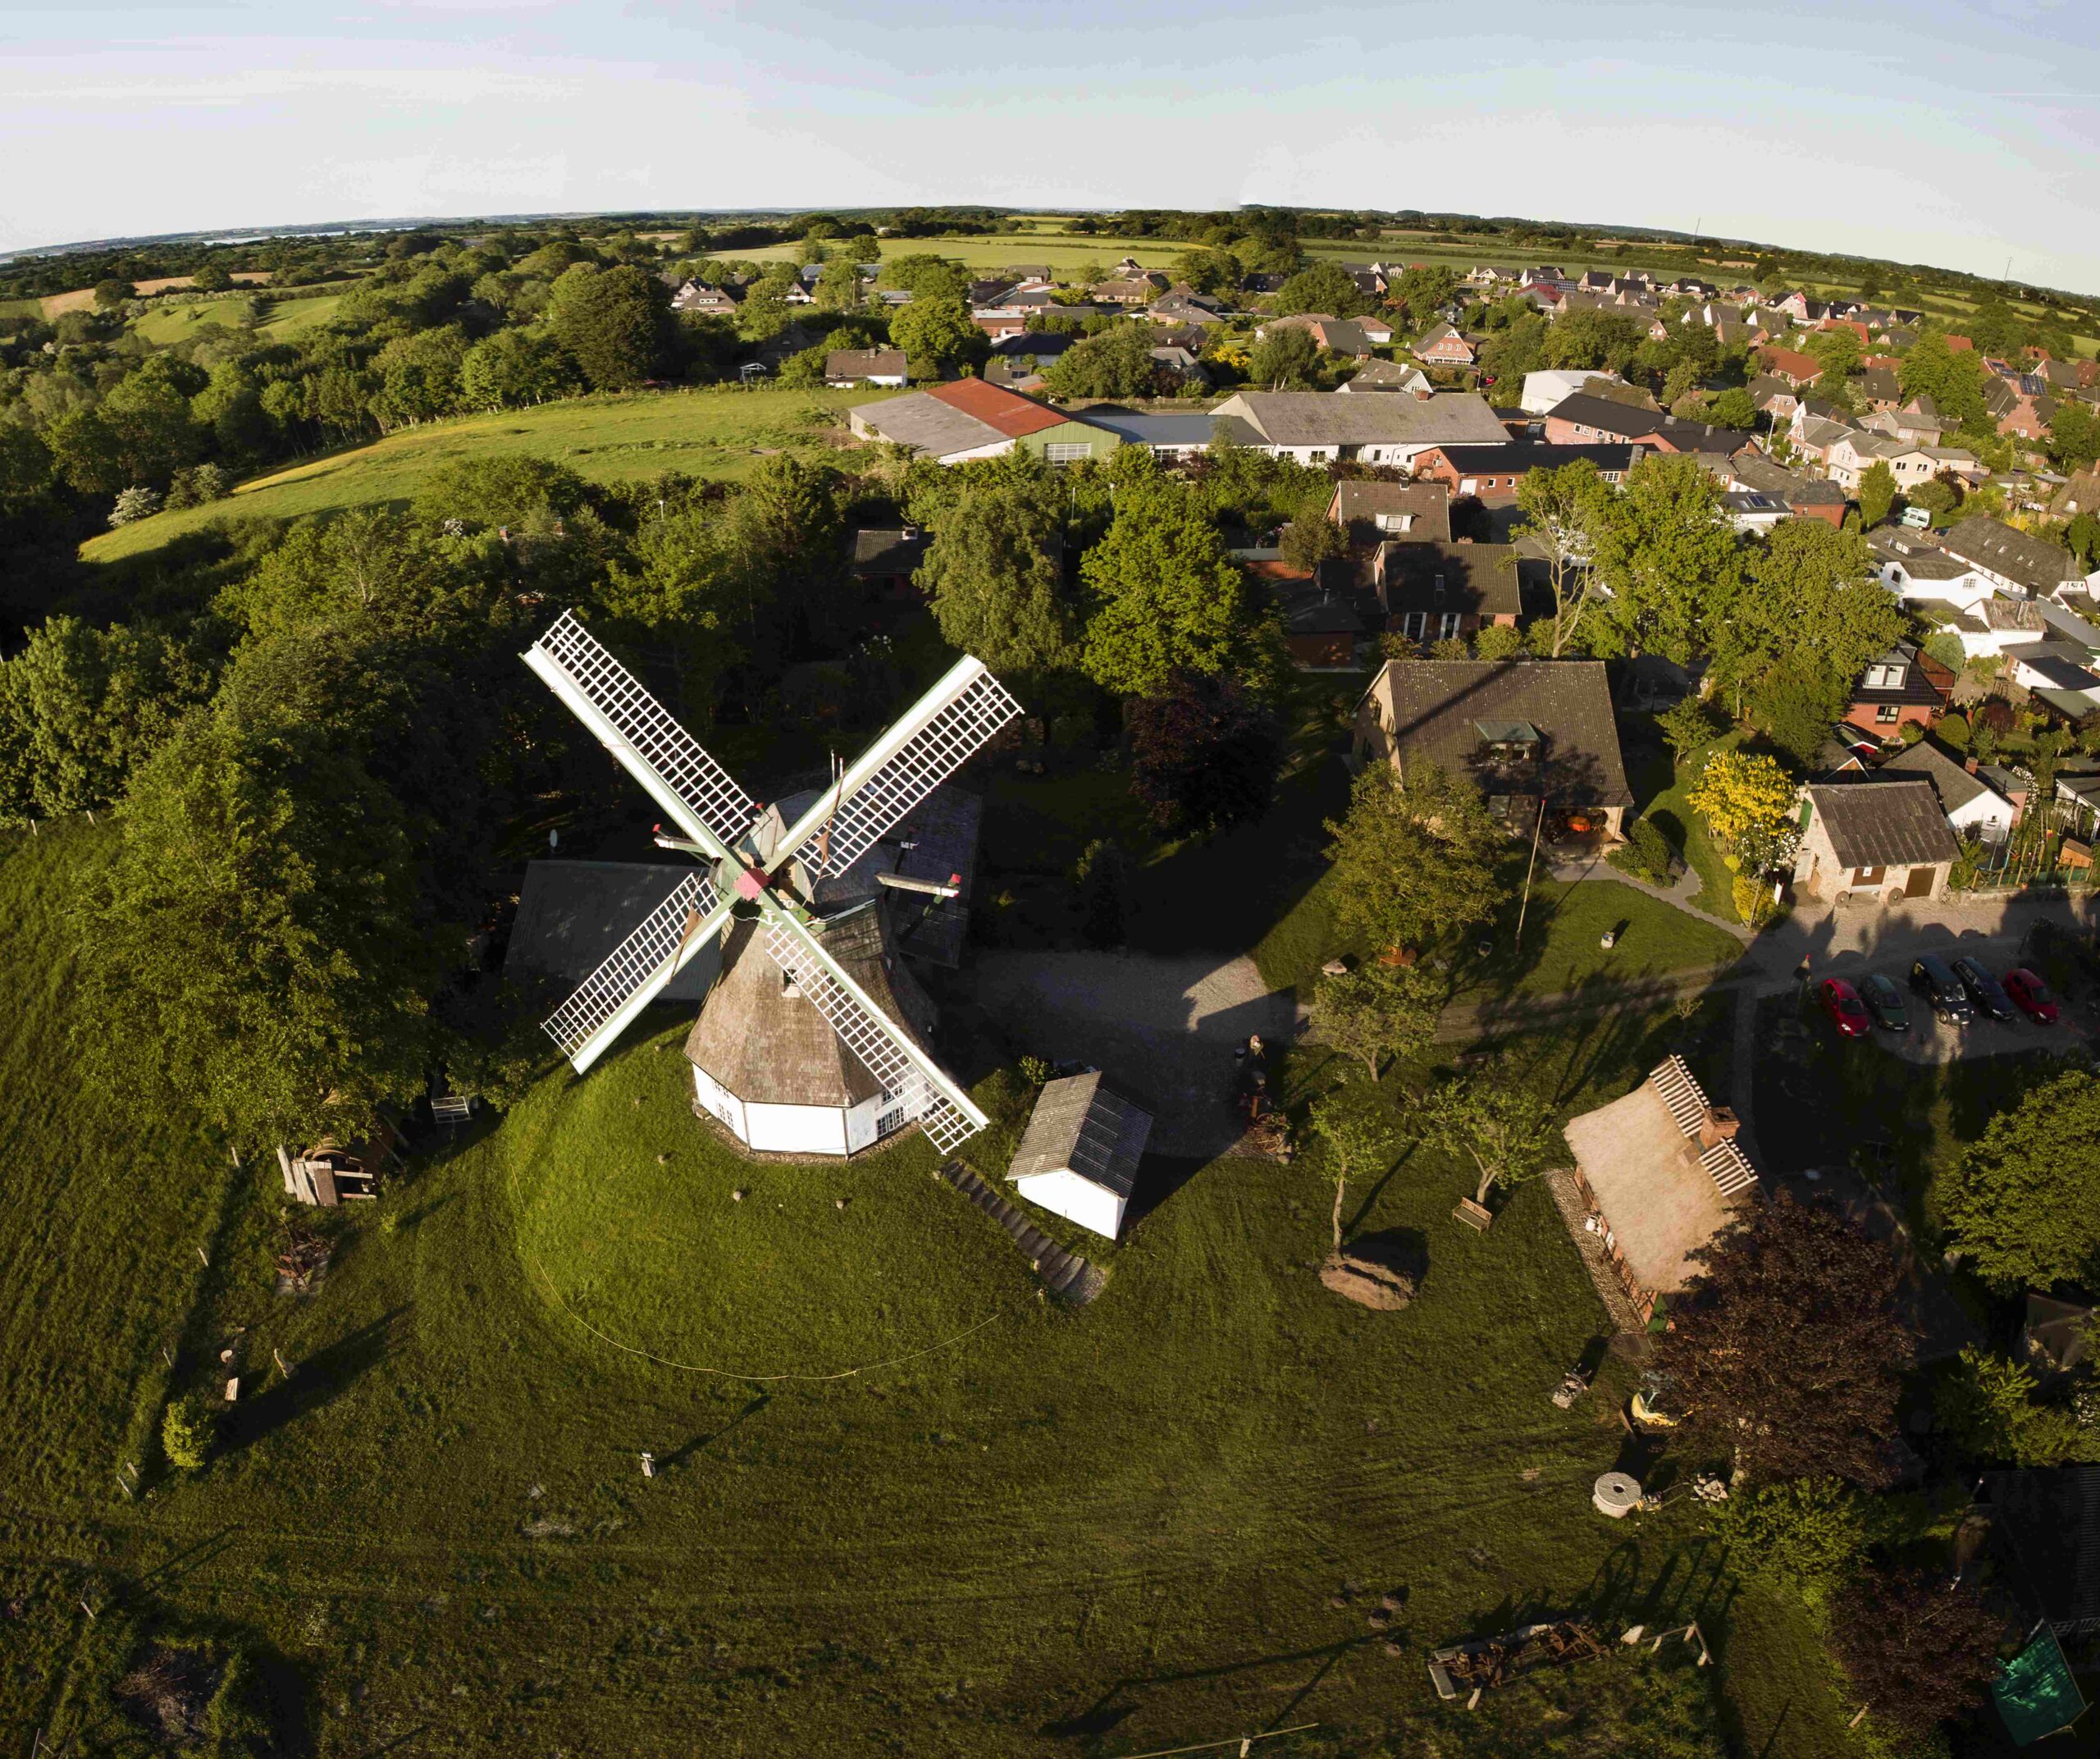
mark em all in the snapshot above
pixel 1884 676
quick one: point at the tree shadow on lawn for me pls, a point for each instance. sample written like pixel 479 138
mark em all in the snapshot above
pixel 1681 1591
pixel 314 1384
pixel 1123 1697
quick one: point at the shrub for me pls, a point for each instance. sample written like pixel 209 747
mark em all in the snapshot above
pixel 1497 641
pixel 1753 900
pixel 1685 726
pixel 186 1428
pixel 1034 1071
pixel 1953 731
pixel 1651 849
pixel 1104 889
pixel 1811 1533
pixel 134 504
pixel 1912 732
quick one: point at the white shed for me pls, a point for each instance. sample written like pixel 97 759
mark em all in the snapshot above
pixel 1079 1156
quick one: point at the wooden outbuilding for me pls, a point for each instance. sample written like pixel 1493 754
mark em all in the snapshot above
pixel 1079 1157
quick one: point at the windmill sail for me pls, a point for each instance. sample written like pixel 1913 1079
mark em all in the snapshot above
pixel 946 728
pixel 907 1074
pixel 637 971
pixel 699 795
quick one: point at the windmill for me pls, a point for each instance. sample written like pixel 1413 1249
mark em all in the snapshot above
pixel 774 881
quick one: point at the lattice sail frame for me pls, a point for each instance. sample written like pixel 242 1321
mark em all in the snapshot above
pixel 948 727
pixel 668 762
pixel 911 1078
pixel 637 971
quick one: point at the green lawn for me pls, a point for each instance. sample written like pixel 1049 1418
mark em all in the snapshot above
pixel 168 320
pixel 1021 1529
pixel 718 433
pixel 1662 787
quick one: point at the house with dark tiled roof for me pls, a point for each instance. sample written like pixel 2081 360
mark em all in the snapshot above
pixel 1493 472
pixel 1972 807
pixel 1318 427
pixel 1879 839
pixel 1431 591
pixel 1805 497
pixel 1386 375
pixel 2015 559
pixel 884 368
pixel 1904 685
pixel 1371 512
pixel 884 558
pixel 1583 418
pixel 1441 345
pixel 1526 732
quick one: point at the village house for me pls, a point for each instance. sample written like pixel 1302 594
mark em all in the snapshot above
pixel 2017 560
pixel 696 299
pixel 1552 385
pixel 1797 369
pixel 1494 471
pixel 1881 838
pixel 1387 376
pixel 971 419
pixel 1583 418
pixel 1319 427
pixel 1974 811
pixel 1431 591
pixel 1804 497
pixel 1905 685
pixel 884 368
pixel 1370 513
pixel 1773 397
pixel 1658 1174
pixel 1526 732
pixel 1441 345
pixel 884 558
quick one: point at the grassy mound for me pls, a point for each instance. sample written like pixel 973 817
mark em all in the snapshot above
pixel 625 1221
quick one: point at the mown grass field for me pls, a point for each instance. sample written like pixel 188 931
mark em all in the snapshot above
pixel 718 433
pixel 173 321
pixel 1020 1529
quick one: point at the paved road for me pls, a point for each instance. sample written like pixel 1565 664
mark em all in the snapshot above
pixel 1163 1028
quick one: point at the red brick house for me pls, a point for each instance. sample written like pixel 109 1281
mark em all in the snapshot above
pixel 1905 685
pixel 1494 471
pixel 1583 419
pixel 1443 346
pixel 1796 368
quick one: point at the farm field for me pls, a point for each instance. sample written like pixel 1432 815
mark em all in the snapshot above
pixel 717 433
pixel 1018 1530
pixel 170 322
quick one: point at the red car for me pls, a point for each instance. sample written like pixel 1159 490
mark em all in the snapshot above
pixel 1847 1012
pixel 2031 996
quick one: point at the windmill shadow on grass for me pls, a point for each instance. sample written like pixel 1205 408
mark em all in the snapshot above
pixel 315 1382
pixel 706 1438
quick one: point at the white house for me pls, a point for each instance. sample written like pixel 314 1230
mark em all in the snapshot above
pixel 1321 427
pixel 1974 808
pixel 1556 384
pixel 1079 1157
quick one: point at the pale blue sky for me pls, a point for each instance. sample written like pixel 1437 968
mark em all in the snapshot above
pixel 1952 131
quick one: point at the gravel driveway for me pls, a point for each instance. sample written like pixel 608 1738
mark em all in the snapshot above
pixel 1161 1029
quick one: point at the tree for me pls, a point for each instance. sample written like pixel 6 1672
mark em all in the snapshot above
pixel 1811 1533
pixel 134 505
pixel 1416 859
pixel 1204 754
pixel 1877 494
pixel 1788 1347
pixel 514 369
pixel 1920 1649
pixel 1376 1011
pixel 994 570
pixel 1671 560
pixel 186 1432
pixel 1748 802
pixel 1326 288
pixel 1498 641
pixel 1311 539
pixel 838 287
pixel 1600 340
pixel 111 294
pixel 2025 1206
pixel 2074 436
pixel 1287 359
pixel 1356 1135
pixel 211 276
pixel 1564 509
pixel 937 335
pixel 2082 538
pixel 1732 408
pixel 1988 1405
pixel 1499 1120
pixel 1117 363
pixel 1165 598
pixel 1686 726
pixel 1103 879
pixel 615 323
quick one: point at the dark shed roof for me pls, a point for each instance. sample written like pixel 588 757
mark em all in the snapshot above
pixel 2052 1521
pixel 1886 824
pixel 1081 1126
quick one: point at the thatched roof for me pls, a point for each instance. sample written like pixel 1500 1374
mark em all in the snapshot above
pixel 766 1043
pixel 1079 1126
pixel 1664 1193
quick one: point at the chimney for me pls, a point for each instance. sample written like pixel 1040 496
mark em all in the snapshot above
pixel 1422 396
pixel 1970 764
pixel 1719 1125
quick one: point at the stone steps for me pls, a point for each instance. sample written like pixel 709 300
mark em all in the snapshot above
pixel 1065 1274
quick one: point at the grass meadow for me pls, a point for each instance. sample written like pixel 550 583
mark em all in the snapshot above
pixel 718 432
pixel 172 320
pixel 1017 1529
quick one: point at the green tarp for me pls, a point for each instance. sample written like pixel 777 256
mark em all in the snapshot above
pixel 2035 1693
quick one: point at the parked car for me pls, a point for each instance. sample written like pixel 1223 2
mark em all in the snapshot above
pixel 1847 1012
pixel 2031 996
pixel 1984 991
pixel 1884 1001
pixel 1943 993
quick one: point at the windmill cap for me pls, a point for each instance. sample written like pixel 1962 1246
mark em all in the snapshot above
pixel 750 883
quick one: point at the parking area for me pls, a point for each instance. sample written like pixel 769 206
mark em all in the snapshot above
pixel 1929 1039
